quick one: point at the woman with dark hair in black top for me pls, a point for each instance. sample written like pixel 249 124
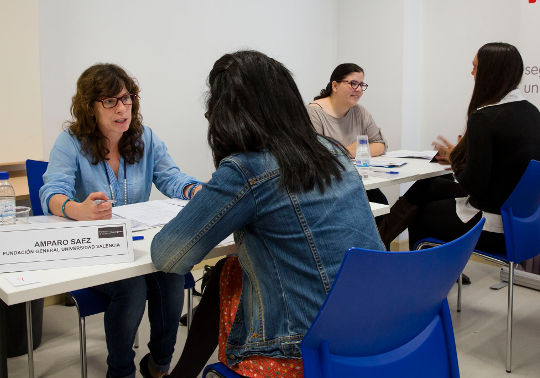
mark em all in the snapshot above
pixel 502 136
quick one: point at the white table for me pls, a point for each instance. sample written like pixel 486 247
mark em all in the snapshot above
pixel 57 281
pixel 415 169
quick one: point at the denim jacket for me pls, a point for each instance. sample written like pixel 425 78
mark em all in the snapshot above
pixel 290 246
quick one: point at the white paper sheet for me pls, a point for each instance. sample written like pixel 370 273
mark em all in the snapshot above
pixel 151 213
pixel 427 154
pixel 385 162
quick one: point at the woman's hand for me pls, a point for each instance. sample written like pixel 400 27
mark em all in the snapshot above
pixel 187 189
pixel 91 211
pixel 197 188
pixel 444 148
pixel 86 210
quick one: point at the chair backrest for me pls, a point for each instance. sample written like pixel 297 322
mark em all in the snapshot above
pixel 34 174
pixel 521 216
pixel 387 314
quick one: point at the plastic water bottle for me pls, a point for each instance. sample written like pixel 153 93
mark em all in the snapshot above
pixel 362 155
pixel 7 200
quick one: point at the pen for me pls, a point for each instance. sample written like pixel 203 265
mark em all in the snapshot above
pixel 389 172
pixel 138 237
pixel 97 202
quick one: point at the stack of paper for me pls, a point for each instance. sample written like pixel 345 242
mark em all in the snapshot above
pixel 148 214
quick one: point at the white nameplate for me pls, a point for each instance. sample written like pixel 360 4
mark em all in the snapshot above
pixel 58 245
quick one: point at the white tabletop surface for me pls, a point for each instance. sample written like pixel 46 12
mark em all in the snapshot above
pixel 415 169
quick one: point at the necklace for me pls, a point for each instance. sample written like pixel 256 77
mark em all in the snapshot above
pixel 110 185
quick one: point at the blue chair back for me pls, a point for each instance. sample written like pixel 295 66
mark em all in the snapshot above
pixel 521 216
pixel 387 314
pixel 34 174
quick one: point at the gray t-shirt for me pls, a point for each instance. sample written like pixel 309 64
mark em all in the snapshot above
pixel 357 121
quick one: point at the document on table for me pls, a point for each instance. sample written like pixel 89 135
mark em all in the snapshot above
pixel 384 162
pixel 148 214
pixel 427 154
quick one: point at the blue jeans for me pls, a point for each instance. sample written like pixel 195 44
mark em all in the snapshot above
pixel 165 294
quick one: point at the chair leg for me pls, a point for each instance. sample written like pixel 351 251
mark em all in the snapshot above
pixel 189 308
pixel 511 267
pixel 82 341
pixel 459 287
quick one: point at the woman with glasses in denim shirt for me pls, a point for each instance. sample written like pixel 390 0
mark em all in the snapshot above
pixel 295 204
pixel 105 157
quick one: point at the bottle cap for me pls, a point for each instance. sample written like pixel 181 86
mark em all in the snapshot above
pixel 4 175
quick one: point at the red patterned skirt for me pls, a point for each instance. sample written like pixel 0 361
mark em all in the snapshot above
pixel 230 288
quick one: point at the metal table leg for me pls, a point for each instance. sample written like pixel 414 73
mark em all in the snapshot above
pixel 3 340
pixel 30 339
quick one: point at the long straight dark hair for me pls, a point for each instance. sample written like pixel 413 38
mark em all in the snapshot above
pixel 339 73
pixel 254 105
pixel 498 72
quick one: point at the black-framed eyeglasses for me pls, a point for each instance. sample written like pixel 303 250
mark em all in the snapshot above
pixel 111 102
pixel 355 84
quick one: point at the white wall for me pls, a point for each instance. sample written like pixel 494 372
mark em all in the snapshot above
pixel 453 31
pixel 20 97
pixel 170 47
pixel 370 35
pixel 417 56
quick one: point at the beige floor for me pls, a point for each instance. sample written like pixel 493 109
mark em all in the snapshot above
pixel 479 330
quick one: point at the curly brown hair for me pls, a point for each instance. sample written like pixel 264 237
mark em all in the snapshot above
pixel 97 82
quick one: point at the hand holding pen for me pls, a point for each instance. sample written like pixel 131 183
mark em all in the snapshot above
pixel 96 206
pixel 100 201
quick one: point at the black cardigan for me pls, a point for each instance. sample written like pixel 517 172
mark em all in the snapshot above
pixel 501 140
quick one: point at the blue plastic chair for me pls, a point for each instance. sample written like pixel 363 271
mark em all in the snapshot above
pixel 88 301
pixel 387 315
pixel 520 215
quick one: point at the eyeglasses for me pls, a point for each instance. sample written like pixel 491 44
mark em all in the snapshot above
pixel 355 84
pixel 110 102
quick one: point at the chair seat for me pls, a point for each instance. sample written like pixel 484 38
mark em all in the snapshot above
pixel 89 301
pixel 520 215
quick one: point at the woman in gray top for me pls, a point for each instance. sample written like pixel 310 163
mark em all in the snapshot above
pixel 336 113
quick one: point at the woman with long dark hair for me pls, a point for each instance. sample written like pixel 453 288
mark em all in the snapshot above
pixel 502 136
pixel 295 204
pixel 106 156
